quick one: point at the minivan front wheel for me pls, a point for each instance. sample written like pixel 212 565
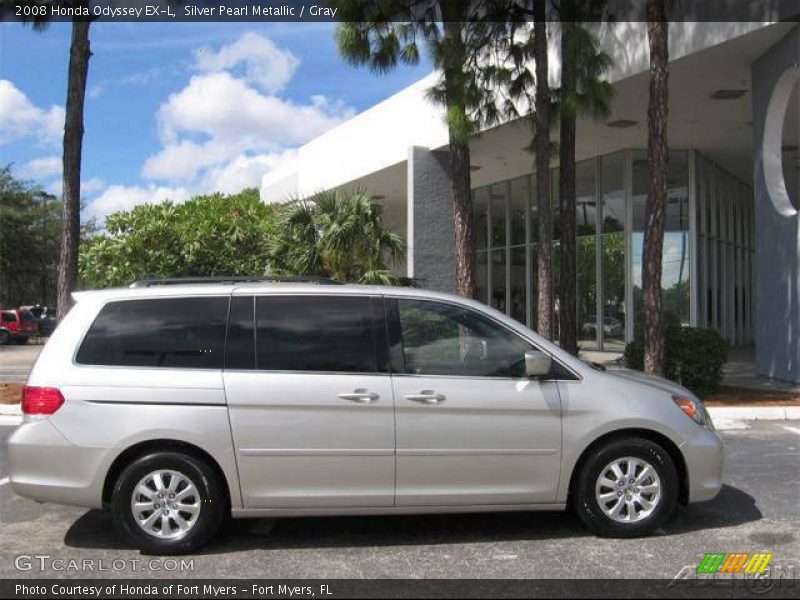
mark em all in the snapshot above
pixel 627 488
pixel 168 503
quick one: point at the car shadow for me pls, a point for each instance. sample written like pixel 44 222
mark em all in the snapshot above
pixel 732 507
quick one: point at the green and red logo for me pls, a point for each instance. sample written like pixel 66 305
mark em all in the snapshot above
pixel 737 562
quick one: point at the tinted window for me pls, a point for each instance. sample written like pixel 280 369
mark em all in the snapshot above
pixel 443 339
pixel 240 350
pixel 169 332
pixel 9 317
pixel 315 333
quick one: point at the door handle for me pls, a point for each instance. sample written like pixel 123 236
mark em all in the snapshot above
pixel 360 395
pixel 426 397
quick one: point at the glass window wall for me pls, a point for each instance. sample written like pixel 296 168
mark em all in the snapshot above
pixel 675 252
pixel 612 248
pixel 610 190
pixel 586 253
pixel 725 261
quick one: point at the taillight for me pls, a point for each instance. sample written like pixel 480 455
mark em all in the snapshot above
pixel 41 400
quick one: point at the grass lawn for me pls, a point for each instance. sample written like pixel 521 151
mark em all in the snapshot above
pixel 735 396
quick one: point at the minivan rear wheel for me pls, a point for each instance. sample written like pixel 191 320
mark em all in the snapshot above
pixel 168 503
pixel 5 337
pixel 627 488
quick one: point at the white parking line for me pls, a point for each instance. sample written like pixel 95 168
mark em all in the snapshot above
pixel 4 480
pixel 794 430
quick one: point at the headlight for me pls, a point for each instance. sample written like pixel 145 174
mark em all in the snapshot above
pixel 695 410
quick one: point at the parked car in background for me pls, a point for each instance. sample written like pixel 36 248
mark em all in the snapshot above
pixel 17 325
pixel 46 317
pixel 611 327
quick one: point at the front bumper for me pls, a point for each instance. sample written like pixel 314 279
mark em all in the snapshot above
pixel 47 467
pixel 704 456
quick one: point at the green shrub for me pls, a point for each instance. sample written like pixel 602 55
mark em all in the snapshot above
pixel 634 351
pixel 694 357
pixel 704 353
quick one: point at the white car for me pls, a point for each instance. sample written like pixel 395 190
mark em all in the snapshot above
pixel 611 327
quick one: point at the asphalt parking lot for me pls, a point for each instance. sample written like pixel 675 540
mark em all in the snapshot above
pixel 16 361
pixel 757 511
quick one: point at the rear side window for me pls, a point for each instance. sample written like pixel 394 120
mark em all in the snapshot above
pixel 315 333
pixel 186 333
pixel 9 317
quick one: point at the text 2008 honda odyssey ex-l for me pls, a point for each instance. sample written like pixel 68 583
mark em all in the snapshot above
pixel 174 405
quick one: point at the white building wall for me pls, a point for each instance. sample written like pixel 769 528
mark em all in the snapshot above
pixel 372 140
pixel 382 135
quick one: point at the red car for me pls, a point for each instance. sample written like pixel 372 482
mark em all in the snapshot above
pixel 16 325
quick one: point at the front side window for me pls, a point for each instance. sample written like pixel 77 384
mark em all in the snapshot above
pixel 315 334
pixel 444 339
pixel 186 333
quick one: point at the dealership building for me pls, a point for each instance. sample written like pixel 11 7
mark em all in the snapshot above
pixel 732 245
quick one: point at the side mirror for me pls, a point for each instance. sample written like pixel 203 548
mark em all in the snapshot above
pixel 537 363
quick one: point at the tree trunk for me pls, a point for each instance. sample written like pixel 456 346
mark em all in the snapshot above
pixel 655 213
pixel 460 185
pixel 79 54
pixel 44 250
pixel 462 215
pixel 542 150
pixel 568 289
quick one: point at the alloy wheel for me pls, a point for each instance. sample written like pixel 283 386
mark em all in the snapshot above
pixel 628 490
pixel 165 504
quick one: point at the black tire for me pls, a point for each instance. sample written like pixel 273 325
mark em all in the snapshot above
pixel 5 337
pixel 212 499
pixel 588 507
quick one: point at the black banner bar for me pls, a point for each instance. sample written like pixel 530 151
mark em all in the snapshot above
pixel 398 588
pixel 325 10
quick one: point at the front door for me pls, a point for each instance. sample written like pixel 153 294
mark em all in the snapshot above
pixel 311 408
pixel 471 428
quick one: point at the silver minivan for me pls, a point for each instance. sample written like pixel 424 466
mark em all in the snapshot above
pixel 174 406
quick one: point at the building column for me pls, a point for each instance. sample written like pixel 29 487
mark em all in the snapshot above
pixel 430 229
pixel 777 224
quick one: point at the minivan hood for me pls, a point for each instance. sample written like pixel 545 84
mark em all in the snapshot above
pixel 650 380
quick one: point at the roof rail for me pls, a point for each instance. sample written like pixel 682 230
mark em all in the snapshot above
pixel 222 279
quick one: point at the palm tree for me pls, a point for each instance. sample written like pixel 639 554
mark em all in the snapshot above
pixel 79 53
pixel 582 92
pixel 383 33
pixel 336 234
pixel 655 212
pixel 541 144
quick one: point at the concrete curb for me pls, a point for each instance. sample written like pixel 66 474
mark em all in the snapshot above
pixel 10 409
pixel 10 414
pixel 754 413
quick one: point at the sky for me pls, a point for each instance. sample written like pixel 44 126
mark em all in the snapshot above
pixel 178 109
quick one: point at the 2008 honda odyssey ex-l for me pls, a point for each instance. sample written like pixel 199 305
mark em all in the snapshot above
pixel 175 405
